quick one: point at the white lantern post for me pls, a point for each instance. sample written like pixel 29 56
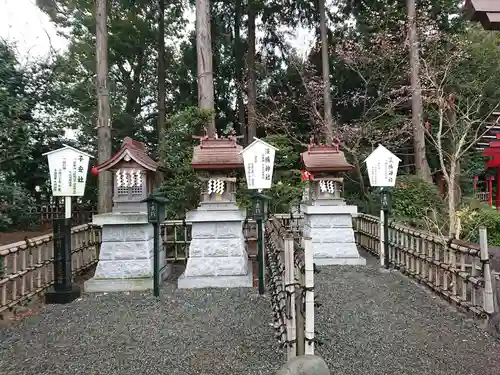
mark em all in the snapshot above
pixel 68 174
pixel 382 168
pixel 258 158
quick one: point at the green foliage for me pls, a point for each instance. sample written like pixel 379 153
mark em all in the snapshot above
pixel 15 204
pixel 414 202
pixel 475 215
pixel 181 186
pixel 287 188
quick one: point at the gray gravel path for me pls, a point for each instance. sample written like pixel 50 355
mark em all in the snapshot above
pixel 197 332
pixel 372 323
pixel 376 323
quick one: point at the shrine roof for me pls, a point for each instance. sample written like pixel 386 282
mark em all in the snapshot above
pixel 487 12
pixel 325 158
pixel 217 153
pixel 134 150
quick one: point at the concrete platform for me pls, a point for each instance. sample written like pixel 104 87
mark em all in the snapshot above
pixel 111 285
pixel 197 282
pixel 360 261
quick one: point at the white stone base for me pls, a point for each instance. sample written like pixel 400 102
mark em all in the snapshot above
pixel 117 285
pixel 126 254
pixel 331 233
pixel 340 261
pixel 197 282
pixel 217 249
pixel 100 285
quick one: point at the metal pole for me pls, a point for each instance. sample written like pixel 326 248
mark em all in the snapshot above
pixel 156 261
pixel 260 248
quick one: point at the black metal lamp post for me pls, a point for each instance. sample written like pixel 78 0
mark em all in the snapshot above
pixel 156 215
pixel 386 204
pixel 259 210
pixel 63 291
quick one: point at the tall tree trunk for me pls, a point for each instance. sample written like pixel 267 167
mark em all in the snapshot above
pixel 325 66
pixel 238 58
pixel 251 89
pixel 105 193
pixel 204 61
pixel 421 165
pixel 161 80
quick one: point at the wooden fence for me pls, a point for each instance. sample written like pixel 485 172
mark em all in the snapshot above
pixel 290 279
pixel 46 214
pixel 458 271
pixel 26 267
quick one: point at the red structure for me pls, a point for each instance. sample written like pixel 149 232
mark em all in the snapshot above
pixel 493 153
pixel 487 12
pixel 489 144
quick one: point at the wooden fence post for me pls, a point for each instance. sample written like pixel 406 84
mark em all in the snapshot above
pixel 485 259
pixel 495 284
pixel 309 296
pixel 382 239
pixel 291 328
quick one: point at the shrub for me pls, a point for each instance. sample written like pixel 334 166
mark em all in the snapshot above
pixel 287 188
pixel 475 215
pixel 415 203
pixel 15 204
pixel 181 186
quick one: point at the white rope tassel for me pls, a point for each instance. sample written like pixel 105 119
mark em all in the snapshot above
pixel 138 178
pixel 126 179
pixel 215 186
pixel 219 186
pixel 327 186
pixel 119 181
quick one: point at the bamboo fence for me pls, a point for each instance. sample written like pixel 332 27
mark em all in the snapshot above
pixel 27 267
pixel 290 280
pixel 458 271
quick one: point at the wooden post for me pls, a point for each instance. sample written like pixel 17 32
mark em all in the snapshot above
pixel 204 61
pixel 495 284
pixel 485 259
pixel 105 193
pixel 291 328
pixel 474 273
pixel 309 298
pixel 382 239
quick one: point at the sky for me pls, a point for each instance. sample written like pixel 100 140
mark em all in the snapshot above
pixel 22 23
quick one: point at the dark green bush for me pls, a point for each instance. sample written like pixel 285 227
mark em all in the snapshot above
pixel 474 216
pixel 15 205
pixel 181 186
pixel 286 190
pixel 415 202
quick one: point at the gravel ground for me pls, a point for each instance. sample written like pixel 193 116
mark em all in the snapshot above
pixel 378 323
pixel 371 323
pixel 186 332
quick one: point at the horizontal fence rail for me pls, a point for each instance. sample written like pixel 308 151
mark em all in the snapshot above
pixel 46 214
pixel 27 267
pixel 176 234
pixel 456 270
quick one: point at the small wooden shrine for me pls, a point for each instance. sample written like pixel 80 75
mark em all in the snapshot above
pixel 134 175
pixel 325 163
pixel 487 12
pixel 214 159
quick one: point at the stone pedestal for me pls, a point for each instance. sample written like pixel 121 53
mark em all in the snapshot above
pixel 332 235
pixel 126 255
pixel 217 254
